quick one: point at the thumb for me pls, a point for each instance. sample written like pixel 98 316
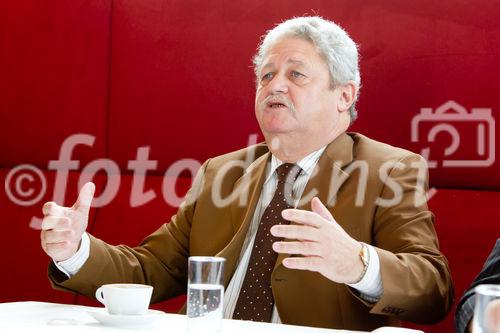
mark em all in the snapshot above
pixel 85 197
pixel 320 209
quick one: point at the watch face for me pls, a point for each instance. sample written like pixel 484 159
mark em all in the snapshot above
pixel 364 255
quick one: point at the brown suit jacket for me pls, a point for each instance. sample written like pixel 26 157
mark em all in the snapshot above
pixel 415 275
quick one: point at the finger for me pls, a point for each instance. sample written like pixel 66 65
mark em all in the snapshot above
pixel 296 232
pixel 55 248
pixel 304 263
pixel 318 207
pixel 56 222
pixel 302 248
pixel 303 217
pixel 85 197
pixel 51 208
pixel 54 237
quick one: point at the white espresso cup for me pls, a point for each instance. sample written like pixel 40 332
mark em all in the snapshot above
pixel 125 298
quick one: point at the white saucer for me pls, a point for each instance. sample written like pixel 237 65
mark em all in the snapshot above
pixel 102 316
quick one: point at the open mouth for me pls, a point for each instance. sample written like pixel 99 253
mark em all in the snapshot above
pixel 276 105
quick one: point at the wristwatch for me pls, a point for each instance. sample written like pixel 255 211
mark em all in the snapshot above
pixel 364 255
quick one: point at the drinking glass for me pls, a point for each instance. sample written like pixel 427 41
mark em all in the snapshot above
pixel 205 294
pixel 487 310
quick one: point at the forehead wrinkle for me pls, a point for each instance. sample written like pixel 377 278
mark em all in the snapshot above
pixel 296 62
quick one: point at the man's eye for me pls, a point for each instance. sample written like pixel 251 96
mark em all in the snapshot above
pixel 266 76
pixel 296 74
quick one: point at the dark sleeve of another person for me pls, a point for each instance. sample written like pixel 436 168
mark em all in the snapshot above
pixel 490 274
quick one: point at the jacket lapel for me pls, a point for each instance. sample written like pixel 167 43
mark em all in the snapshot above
pixel 249 187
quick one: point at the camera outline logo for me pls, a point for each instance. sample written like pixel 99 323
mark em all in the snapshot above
pixel 443 117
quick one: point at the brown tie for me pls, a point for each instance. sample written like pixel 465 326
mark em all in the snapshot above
pixel 256 301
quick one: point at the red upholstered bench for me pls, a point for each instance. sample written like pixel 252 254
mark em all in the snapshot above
pixel 175 76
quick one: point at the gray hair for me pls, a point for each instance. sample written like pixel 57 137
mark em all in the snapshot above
pixel 330 40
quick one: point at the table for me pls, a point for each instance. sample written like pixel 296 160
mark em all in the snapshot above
pixel 40 317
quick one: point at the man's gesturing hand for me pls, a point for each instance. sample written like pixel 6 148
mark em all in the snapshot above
pixel 63 227
pixel 322 243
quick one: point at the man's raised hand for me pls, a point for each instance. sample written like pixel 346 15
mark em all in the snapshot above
pixel 63 227
pixel 319 244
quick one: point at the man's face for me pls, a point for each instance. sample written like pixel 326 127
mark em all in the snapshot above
pixel 294 95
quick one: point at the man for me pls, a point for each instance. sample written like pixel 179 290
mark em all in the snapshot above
pixel 490 274
pixel 359 249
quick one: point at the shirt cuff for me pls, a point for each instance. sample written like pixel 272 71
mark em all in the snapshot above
pixel 370 286
pixel 72 265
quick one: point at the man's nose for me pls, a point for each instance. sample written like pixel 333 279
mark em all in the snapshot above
pixel 278 85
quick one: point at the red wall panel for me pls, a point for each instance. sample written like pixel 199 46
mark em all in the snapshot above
pixel 53 77
pixel 181 81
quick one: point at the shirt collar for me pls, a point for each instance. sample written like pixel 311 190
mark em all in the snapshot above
pixel 307 163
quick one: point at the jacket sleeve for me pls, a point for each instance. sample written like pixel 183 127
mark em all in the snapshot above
pixel 160 260
pixel 417 284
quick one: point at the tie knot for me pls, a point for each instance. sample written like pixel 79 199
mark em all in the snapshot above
pixel 288 172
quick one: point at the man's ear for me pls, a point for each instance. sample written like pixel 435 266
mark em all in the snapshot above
pixel 347 95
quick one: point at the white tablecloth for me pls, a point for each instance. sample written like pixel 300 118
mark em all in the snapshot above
pixel 39 317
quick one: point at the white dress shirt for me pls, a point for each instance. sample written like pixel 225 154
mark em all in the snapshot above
pixel 370 287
